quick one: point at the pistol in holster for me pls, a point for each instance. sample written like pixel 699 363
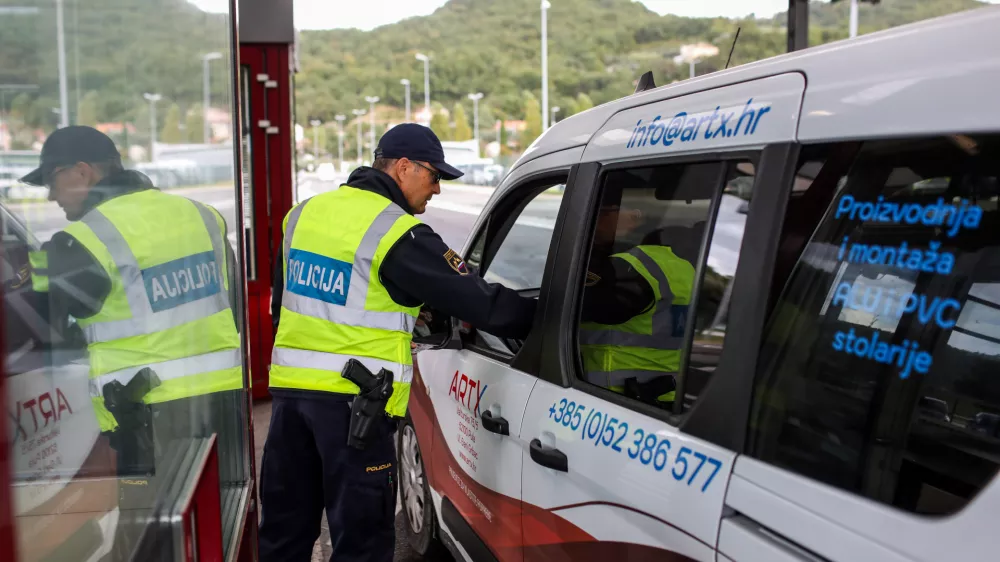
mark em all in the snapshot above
pixel 650 391
pixel 134 438
pixel 369 405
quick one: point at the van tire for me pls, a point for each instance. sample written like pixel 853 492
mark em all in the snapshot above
pixel 425 539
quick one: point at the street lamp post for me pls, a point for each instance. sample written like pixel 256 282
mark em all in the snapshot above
pixel 315 125
pixel 475 117
pixel 61 44
pixel 153 98
pixel 206 93
pixel 427 82
pixel 340 139
pixel 545 64
pixel 854 19
pixel 406 84
pixel 359 113
pixel 554 111
pixel 372 100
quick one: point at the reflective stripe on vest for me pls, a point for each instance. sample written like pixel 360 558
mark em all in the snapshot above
pixel 662 321
pixel 338 307
pixel 353 313
pixel 173 369
pixel 306 359
pixel 144 321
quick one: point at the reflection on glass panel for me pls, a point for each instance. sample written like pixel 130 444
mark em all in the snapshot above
pixel 121 285
pixel 520 261
pixel 878 374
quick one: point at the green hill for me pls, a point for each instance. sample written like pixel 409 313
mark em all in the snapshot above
pixel 596 48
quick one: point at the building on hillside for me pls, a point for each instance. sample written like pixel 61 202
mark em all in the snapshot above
pixel 220 123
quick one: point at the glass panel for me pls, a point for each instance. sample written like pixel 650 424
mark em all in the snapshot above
pixel 520 261
pixel 878 372
pixel 121 285
pixel 644 267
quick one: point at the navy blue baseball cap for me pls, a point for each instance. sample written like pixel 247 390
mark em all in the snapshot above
pixel 69 145
pixel 416 142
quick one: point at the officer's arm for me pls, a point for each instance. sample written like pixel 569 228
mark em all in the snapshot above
pixel 615 292
pixel 78 284
pixel 418 265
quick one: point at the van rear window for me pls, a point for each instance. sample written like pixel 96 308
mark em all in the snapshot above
pixel 880 371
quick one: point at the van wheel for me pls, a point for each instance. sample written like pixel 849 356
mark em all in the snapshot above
pixel 417 506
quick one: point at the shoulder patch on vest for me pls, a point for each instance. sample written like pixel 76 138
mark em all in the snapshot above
pixel 456 262
pixel 592 279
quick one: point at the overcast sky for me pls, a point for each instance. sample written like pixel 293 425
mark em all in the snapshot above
pixel 326 14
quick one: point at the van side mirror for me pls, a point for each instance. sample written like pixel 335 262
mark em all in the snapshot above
pixel 433 329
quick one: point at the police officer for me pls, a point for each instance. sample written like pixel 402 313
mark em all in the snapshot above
pixel 635 309
pixel 148 276
pixel 357 267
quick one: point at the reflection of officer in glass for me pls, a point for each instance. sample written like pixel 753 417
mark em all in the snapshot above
pixel 148 278
pixel 357 267
pixel 635 309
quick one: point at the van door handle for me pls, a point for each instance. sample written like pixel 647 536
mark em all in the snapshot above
pixel 496 425
pixel 552 458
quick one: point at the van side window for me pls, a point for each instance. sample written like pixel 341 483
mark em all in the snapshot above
pixel 512 249
pixel 878 372
pixel 666 243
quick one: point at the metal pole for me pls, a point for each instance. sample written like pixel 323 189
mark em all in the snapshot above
pixel 554 111
pixel 204 101
pixel 315 125
pixel 76 57
pixel 359 143
pixel 854 19
pixel 406 84
pixel 427 87
pixel 153 98
pixel 475 117
pixel 358 113
pixel 372 100
pixel 340 140
pixel 61 41
pixel 545 65
pixel 475 122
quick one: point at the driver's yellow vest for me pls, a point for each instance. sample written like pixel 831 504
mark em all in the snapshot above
pixel 334 306
pixel 649 344
pixel 168 308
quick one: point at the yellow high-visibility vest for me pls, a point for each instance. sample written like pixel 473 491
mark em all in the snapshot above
pixel 334 306
pixel 168 308
pixel 649 344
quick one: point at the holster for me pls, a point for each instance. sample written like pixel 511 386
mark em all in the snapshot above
pixel 650 390
pixel 369 405
pixel 133 440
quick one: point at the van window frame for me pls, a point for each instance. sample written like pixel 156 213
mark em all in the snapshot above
pixel 497 220
pixel 559 312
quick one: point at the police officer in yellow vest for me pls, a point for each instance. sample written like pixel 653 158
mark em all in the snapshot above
pixel 357 267
pixel 635 310
pixel 148 277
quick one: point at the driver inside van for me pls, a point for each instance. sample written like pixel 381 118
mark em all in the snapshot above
pixel 635 305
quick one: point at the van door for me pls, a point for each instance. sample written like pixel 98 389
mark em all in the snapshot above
pixel 655 276
pixel 477 391
pixel 874 430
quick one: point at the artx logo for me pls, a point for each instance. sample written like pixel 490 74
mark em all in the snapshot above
pixel 467 391
pixel 50 409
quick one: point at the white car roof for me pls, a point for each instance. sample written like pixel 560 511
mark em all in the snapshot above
pixel 931 77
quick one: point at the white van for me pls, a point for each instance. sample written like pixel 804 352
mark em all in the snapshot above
pixel 835 336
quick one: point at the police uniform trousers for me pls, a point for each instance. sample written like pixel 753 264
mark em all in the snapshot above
pixel 308 467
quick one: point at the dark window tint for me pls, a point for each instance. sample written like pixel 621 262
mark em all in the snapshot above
pixel 666 244
pixel 879 368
